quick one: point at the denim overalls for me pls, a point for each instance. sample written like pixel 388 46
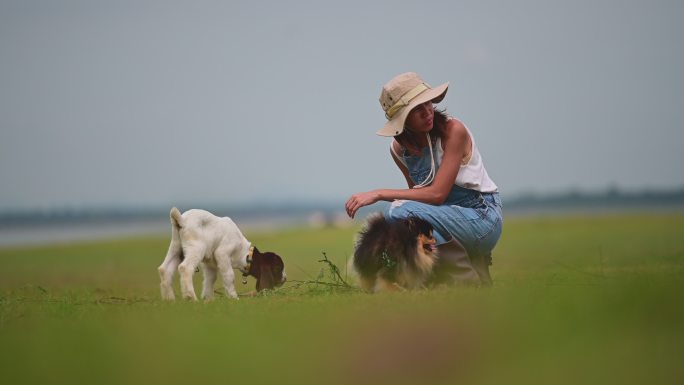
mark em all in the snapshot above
pixel 469 216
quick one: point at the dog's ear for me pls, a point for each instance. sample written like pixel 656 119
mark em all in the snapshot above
pixel 417 225
pixel 411 223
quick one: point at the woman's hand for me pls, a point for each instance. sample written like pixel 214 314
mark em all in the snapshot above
pixel 359 200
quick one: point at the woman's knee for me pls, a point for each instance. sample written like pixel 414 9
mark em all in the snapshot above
pixel 398 210
pixel 404 209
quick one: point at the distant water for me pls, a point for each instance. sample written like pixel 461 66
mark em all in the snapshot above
pixel 67 232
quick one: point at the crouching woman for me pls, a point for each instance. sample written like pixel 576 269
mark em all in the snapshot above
pixel 448 185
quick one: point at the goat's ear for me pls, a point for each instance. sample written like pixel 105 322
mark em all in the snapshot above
pixel 256 262
pixel 266 277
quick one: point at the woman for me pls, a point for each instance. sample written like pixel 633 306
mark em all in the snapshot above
pixel 447 183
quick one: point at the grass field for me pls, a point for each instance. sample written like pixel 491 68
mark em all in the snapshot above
pixel 576 300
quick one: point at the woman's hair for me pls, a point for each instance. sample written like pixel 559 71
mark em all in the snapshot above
pixel 407 138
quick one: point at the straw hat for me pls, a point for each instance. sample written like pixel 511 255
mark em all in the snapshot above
pixel 400 95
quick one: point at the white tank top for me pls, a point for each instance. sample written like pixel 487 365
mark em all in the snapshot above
pixel 471 175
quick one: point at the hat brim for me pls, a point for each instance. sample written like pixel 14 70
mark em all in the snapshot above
pixel 395 126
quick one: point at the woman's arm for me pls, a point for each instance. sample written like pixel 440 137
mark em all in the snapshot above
pixel 455 144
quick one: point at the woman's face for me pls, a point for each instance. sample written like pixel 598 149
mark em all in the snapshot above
pixel 421 117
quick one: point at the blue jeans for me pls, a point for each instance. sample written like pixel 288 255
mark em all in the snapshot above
pixel 471 217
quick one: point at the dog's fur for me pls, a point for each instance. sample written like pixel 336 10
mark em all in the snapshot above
pixel 198 236
pixel 394 255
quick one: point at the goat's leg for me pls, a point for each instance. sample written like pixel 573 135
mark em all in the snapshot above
pixel 186 269
pixel 167 270
pixel 166 273
pixel 228 277
pixel 209 280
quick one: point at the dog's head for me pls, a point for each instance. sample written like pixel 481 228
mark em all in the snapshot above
pixel 268 269
pixel 423 231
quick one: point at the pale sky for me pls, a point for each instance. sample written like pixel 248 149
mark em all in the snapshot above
pixel 115 103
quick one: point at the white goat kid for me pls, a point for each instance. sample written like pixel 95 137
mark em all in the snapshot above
pixel 198 236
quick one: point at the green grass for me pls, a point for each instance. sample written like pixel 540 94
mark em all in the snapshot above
pixel 576 300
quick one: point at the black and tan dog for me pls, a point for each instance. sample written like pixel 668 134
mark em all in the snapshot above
pixel 394 255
